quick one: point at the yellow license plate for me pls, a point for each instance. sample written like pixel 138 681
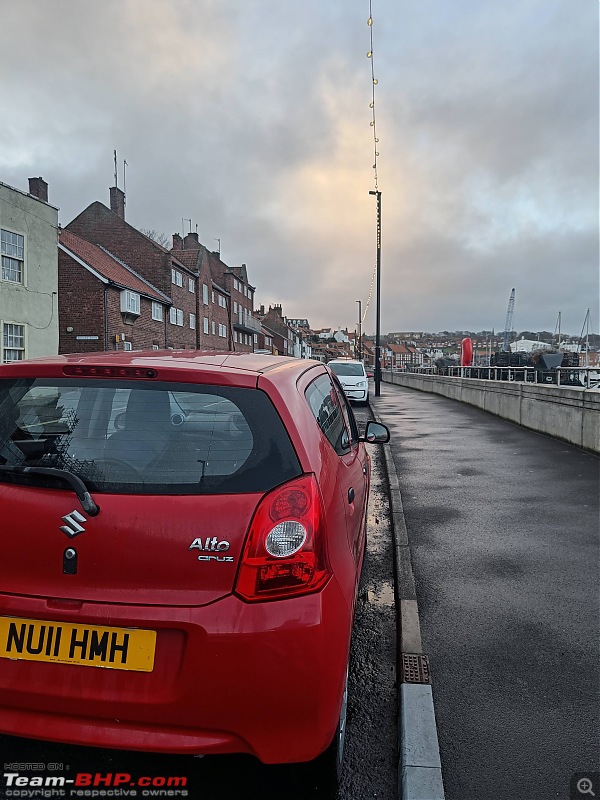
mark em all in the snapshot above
pixel 86 645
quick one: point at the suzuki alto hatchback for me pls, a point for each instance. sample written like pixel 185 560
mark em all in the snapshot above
pixel 182 535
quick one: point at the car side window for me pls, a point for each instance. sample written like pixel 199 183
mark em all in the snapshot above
pixel 347 412
pixel 324 402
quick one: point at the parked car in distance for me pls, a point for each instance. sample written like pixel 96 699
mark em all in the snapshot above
pixel 353 377
pixel 183 536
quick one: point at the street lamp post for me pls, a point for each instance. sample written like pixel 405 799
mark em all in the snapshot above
pixel 378 311
pixel 359 348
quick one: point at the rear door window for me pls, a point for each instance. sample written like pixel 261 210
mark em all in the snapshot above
pixel 147 438
pixel 325 406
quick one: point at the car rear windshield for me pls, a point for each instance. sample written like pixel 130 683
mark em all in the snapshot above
pixel 163 438
pixel 346 370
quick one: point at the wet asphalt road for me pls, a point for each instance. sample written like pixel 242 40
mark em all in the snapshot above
pixel 370 766
pixel 503 527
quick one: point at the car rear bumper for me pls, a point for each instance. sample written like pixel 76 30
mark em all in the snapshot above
pixel 230 677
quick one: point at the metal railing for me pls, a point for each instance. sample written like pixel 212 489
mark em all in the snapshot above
pixel 575 377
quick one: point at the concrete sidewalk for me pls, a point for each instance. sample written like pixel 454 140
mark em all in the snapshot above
pixel 502 533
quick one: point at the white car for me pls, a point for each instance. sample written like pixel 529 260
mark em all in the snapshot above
pixel 353 377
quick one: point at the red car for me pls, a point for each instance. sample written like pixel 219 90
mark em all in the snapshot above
pixel 182 540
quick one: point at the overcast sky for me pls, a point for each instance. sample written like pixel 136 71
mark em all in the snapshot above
pixel 251 117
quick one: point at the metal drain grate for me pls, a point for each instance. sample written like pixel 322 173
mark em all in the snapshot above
pixel 415 669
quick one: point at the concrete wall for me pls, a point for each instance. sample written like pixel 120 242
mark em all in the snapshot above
pixel 33 303
pixel 565 413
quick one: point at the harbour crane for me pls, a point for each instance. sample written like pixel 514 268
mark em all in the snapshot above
pixel 508 322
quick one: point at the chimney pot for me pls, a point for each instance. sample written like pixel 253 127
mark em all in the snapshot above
pixel 177 242
pixel 38 188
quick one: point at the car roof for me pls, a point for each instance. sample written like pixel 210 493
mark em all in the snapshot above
pixel 345 361
pixel 181 361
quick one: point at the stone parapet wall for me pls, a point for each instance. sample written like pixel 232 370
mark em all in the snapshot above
pixel 565 413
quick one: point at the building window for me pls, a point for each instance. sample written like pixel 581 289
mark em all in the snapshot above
pixel 222 301
pixel 223 331
pixel 255 339
pixel 155 347
pixel 13 342
pixel 176 316
pixel 130 302
pixel 176 277
pixel 250 295
pixel 235 336
pixel 193 322
pixel 205 327
pixel 127 346
pixel 213 327
pixel 13 256
pixel 191 285
pixel 212 296
pixel 234 307
pixel 205 294
pixel 157 311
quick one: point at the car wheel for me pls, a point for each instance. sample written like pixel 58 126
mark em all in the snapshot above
pixel 325 772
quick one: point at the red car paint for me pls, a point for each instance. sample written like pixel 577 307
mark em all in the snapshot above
pixel 231 672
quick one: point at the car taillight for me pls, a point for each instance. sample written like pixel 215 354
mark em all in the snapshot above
pixel 285 552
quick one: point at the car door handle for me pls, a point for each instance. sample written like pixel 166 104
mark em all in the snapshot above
pixel 350 495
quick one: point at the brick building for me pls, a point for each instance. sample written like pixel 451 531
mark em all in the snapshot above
pixel 103 304
pixel 210 302
pixel 107 228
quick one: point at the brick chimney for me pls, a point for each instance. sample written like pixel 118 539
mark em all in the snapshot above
pixel 191 242
pixel 117 201
pixel 177 242
pixel 39 188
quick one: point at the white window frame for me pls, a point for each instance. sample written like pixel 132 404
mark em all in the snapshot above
pixel 205 294
pixel 205 325
pixel 176 316
pixel 130 302
pixel 222 301
pixel 127 346
pixel 193 321
pixel 13 256
pixel 176 277
pixel 191 285
pixel 235 336
pixel 213 327
pixel 212 294
pixel 157 311
pixel 15 348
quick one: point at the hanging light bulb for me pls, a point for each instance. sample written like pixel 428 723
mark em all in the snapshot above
pixel 372 123
pixel 370 54
pixel 375 81
pixel 371 105
pixel 376 153
pixel 370 21
pixel 376 140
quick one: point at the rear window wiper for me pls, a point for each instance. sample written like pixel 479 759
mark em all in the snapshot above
pixel 78 486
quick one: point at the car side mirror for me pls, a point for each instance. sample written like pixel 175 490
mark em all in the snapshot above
pixel 375 433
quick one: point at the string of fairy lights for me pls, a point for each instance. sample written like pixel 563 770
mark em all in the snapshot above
pixel 373 125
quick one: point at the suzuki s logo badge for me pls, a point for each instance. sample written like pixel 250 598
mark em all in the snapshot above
pixel 211 546
pixel 72 528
